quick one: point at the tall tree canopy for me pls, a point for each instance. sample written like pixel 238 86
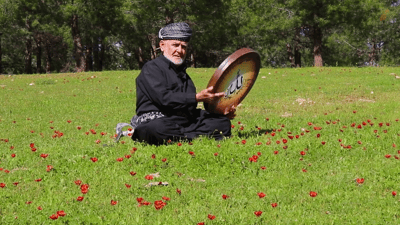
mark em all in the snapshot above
pixel 88 35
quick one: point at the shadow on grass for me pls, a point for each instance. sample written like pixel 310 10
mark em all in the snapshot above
pixel 253 133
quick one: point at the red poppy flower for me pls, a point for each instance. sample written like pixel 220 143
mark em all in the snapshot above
pixel 113 202
pixel 166 198
pixel 120 159
pixel 272 134
pixel 318 135
pixel 6 171
pixel 261 195
pixel 11 147
pixel 33 149
pixel 78 127
pixel 201 223
pixel 128 185
pixel 394 193
pixel 32 145
pixel 191 153
pixel 145 203
pixel 92 131
pixel 54 216
pixel 211 217
pixel 128 156
pixel 39 207
pixel 38 180
pixel 251 159
pixel 179 144
pixel 61 213
pixel 159 204
pixel 243 141
pixel 94 159
pixel 304 170
pixel 225 196
pixel 313 194
pixel 13 155
pixel 276 152
pixel 44 155
pixel 80 198
pixel 388 156
pixel 16 183
pixel 78 182
pixel 274 205
pixel 84 188
pixel 148 177
pixel 302 153
pixel 258 213
pixel 178 191
pixel 278 142
pixel 97 141
pixel 360 180
pixel 263 168
pixel 241 128
pixel 139 200
pixel 2 185
pixel 132 173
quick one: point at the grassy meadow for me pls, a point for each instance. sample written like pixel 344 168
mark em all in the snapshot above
pixel 309 146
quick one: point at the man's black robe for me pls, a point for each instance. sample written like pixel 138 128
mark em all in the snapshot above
pixel 164 87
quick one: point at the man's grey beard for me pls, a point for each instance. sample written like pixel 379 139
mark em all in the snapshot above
pixel 178 64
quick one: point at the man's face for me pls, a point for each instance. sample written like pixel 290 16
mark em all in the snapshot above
pixel 174 50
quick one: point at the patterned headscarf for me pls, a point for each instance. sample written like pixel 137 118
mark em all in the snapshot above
pixel 175 31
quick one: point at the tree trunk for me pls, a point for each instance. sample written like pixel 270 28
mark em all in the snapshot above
pixel 48 56
pixel 38 41
pixel 372 54
pixel 317 47
pixel 28 50
pixel 96 50
pixel 153 39
pixel 290 55
pixel 139 57
pixel 79 56
pixel 192 60
pixel 297 57
pixel 28 56
pixel 89 60
pixel 101 56
pixel 1 65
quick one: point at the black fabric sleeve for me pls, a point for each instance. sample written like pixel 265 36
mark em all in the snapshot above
pixel 164 92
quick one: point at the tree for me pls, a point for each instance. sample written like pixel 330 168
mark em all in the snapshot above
pixel 316 20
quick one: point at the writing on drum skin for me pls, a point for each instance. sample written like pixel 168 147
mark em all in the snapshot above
pixel 235 85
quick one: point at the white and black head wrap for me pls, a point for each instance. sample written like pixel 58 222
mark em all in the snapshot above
pixel 175 31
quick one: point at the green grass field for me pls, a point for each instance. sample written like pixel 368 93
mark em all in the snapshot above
pixel 323 144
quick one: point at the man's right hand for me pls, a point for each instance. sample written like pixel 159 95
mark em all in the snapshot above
pixel 208 96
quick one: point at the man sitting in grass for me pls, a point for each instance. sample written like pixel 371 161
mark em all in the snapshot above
pixel 167 99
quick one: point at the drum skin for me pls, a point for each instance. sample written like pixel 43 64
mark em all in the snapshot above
pixel 235 77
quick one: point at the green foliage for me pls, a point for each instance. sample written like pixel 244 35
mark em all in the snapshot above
pixel 274 28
